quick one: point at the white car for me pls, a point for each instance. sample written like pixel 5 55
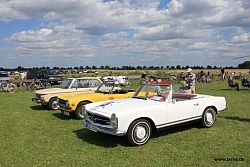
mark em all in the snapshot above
pixel 118 80
pixel 153 106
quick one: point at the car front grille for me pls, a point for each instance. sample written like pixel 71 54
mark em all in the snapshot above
pixel 95 118
pixel 38 96
pixel 62 103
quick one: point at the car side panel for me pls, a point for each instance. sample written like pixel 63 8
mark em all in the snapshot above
pixel 157 114
pixel 69 91
pixel 96 97
pixel 182 110
pixel 218 102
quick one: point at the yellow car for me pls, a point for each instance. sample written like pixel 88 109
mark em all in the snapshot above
pixel 73 104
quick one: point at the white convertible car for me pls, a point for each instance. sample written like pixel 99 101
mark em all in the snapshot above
pixel 153 106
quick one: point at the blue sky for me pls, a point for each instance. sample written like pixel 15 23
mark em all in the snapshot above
pixel 124 32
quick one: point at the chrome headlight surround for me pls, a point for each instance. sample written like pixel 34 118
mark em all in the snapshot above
pixel 114 121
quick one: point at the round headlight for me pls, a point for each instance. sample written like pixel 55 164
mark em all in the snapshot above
pixel 67 104
pixel 114 121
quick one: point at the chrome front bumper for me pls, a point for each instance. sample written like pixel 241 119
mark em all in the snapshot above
pixel 104 129
pixel 67 112
pixel 38 100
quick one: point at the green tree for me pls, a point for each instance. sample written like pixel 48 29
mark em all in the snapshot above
pixel 245 65
pixel 178 67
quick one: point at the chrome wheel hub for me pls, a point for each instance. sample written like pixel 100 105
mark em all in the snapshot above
pixel 209 117
pixel 140 132
pixel 55 105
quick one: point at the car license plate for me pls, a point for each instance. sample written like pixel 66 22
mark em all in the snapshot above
pixel 66 113
pixel 90 127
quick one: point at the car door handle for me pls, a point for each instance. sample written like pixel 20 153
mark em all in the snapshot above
pixel 196 104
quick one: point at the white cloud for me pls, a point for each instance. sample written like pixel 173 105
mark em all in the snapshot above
pixel 31 36
pixel 199 45
pixel 97 32
pixel 241 38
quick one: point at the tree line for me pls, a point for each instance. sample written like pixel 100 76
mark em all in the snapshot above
pixel 245 65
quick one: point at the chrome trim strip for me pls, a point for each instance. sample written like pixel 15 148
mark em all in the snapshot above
pixel 179 121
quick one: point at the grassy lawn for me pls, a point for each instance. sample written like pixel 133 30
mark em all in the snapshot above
pixel 31 135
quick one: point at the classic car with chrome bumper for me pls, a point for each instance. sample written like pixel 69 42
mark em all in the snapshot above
pixel 154 106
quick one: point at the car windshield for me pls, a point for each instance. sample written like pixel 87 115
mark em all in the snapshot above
pixel 155 92
pixel 106 88
pixel 66 83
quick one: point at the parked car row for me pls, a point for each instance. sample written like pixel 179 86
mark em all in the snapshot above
pixel 107 108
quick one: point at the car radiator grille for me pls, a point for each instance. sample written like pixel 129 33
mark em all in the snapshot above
pixel 38 96
pixel 62 103
pixel 98 119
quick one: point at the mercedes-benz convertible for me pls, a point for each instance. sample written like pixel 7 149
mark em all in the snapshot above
pixel 153 106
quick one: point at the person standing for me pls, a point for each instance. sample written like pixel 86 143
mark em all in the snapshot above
pixel 222 70
pixel 245 82
pixel 190 80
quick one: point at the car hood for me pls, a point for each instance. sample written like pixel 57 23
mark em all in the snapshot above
pixel 120 106
pixel 76 95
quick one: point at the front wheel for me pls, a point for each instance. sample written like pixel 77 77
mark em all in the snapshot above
pixel 53 104
pixel 208 117
pixel 139 132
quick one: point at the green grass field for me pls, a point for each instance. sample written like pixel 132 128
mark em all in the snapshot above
pixel 31 135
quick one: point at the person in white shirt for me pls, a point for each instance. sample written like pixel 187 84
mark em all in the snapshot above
pixel 190 80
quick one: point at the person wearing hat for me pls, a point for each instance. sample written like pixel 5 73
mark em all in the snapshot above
pixel 190 80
